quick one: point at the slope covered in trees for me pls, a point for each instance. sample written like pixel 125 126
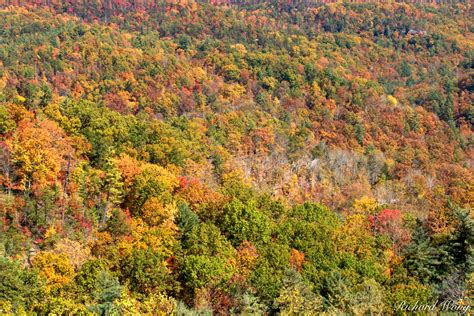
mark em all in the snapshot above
pixel 181 157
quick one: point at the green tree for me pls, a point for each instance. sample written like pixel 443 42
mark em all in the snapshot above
pixel 461 244
pixel 205 271
pixel 424 260
pixel 19 288
pixel 210 259
pixel 6 122
pixel 146 271
pixel 107 290
pixel 245 222
pixel 187 220
pixel 86 278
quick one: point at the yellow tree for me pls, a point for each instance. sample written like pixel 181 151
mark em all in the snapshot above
pixel 354 237
pixel 365 205
pixel 55 268
pixel 39 149
pixel 152 182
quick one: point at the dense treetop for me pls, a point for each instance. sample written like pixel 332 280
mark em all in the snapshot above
pixel 261 158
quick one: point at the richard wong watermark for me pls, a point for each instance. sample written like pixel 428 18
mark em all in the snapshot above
pixel 439 306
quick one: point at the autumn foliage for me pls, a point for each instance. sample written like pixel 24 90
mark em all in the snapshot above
pixel 185 157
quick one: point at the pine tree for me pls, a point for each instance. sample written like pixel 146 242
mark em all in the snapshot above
pixel 107 291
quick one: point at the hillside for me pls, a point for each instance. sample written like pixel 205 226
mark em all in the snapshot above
pixel 160 157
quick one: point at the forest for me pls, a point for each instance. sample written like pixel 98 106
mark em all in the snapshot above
pixel 163 157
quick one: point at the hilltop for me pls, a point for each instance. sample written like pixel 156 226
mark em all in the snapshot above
pixel 258 157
